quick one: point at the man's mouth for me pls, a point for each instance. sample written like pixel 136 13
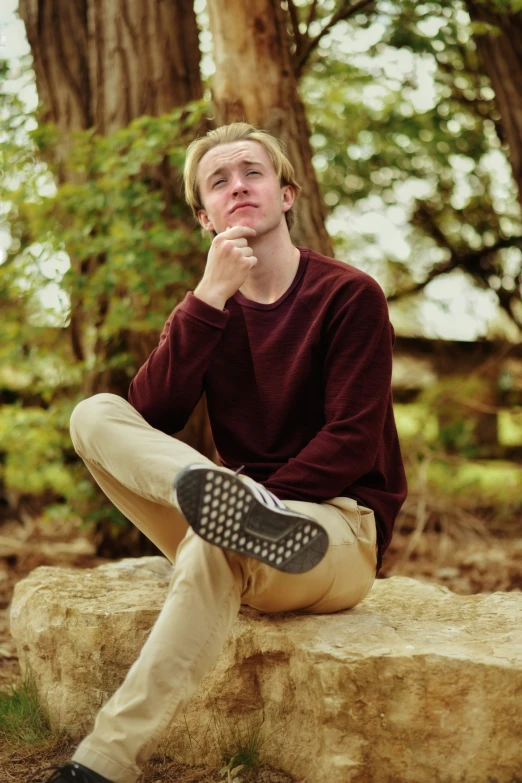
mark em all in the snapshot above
pixel 243 206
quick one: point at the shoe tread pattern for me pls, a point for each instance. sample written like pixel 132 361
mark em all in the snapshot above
pixel 224 511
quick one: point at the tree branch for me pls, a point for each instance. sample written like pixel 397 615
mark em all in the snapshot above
pixel 456 261
pixel 311 13
pixel 427 221
pixel 484 108
pixel 298 36
pixel 505 299
pixel 343 12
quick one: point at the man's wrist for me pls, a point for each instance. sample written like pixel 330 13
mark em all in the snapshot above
pixel 210 297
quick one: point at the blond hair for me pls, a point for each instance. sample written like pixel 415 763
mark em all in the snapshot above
pixel 237 131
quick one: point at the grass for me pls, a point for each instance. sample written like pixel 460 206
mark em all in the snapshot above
pixel 242 751
pixel 487 481
pixel 416 418
pixel 22 719
pixel 484 487
pixel 240 744
pixel 29 745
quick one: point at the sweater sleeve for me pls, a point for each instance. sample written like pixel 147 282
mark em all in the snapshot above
pixel 357 386
pixel 167 387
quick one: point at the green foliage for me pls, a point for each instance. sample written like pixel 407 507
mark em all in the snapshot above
pixel 240 740
pixel 494 483
pixel 503 6
pixel 244 753
pixel 103 221
pixel 22 719
pixel 453 400
pixel 510 427
pixel 115 239
pixel 35 440
pixel 39 461
pixel 120 217
pixel 441 448
pixel 374 133
pixel 240 744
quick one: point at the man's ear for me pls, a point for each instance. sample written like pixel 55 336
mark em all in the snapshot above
pixel 205 220
pixel 287 197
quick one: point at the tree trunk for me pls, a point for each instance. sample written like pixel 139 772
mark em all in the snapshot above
pixel 104 64
pixel 144 59
pixel 255 82
pixel 502 59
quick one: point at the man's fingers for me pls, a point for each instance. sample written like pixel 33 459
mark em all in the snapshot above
pixel 235 232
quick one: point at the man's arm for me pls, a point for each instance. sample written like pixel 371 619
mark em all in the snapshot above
pixel 357 387
pixel 168 386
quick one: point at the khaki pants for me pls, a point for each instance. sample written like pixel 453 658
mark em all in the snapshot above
pixel 135 465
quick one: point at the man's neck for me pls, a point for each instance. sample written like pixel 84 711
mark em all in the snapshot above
pixel 277 264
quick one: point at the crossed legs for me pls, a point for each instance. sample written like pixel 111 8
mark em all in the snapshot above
pixel 135 465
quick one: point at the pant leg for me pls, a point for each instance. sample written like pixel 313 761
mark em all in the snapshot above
pixel 200 609
pixel 135 466
pixel 344 576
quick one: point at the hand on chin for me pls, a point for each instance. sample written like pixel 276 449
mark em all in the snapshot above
pixel 240 220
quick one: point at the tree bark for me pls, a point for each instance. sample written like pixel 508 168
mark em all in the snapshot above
pixel 502 59
pixel 255 82
pixel 143 59
pixel 102 64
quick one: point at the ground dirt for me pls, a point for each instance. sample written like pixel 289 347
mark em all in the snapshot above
pixel 468 561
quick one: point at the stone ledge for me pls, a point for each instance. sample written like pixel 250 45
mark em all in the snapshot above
pixel 414 685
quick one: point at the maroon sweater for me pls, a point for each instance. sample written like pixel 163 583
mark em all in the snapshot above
pixel 298 391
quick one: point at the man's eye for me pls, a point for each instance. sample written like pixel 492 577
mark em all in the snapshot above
pixel 217 182
pixel 253 172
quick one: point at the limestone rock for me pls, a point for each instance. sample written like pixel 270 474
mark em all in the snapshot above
pixel 80 630
pixel 414 685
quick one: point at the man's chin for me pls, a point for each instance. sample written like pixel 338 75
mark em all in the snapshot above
pixel 245 221
pixel 240 220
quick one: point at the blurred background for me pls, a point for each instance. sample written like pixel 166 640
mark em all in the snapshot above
pixel 404 123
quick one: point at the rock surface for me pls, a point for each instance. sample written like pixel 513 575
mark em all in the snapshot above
pixel 414 685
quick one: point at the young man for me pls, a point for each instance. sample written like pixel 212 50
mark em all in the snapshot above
pixel 294 352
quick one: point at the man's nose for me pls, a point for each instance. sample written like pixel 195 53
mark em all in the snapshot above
pixel 239 186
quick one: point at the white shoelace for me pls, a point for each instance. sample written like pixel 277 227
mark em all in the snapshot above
pixel 265 496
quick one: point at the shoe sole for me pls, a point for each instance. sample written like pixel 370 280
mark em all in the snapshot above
pixel 224 511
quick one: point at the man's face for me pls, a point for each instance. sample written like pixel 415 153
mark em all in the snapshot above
pixel 239 187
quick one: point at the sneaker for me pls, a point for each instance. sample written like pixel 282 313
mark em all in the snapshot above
pixel 228 512
pixel 74 773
